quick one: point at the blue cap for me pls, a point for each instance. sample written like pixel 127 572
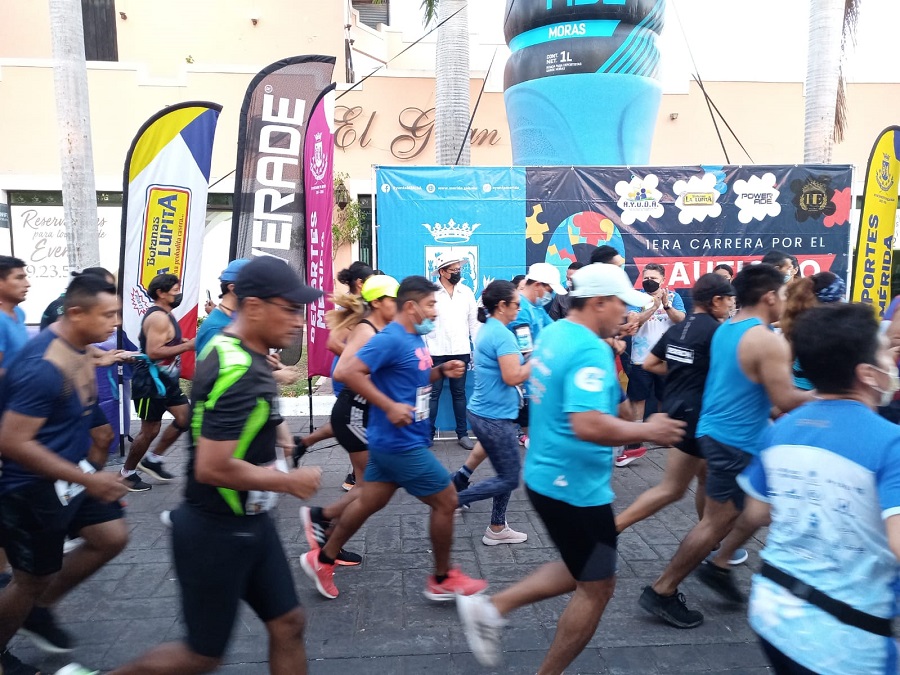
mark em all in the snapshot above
pixel 230 273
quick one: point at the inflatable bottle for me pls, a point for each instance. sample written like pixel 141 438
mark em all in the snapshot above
pixel 581 83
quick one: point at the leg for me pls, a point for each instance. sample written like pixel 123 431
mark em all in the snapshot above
pixel 287 654
pixel 700 490
pixel 637 410
pixel 547 581
pixel 436 388
pixel 577 624
pixel 140 444
pixel 17 600
pixel 503 449
pixel 333 511
pixel 171 657
pixel 371 500
pixel 458 395
pixel 318 435
pixel 180 424
pixel 680 471
pixel 754 516
pixel 442 504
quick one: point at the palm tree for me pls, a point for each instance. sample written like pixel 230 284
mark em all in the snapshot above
pixel 832 26
pixel 74 118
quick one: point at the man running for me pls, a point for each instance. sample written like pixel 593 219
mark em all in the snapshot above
pixel 394 372
pixel 47 488
pixel 225 546
pixel 161 340
pixel 224 312
pixel 568 470
pixel 749 371
pixel 14 287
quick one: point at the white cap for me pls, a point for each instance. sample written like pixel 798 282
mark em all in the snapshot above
pixel 446 258
pixel 601 280
pixel 546 273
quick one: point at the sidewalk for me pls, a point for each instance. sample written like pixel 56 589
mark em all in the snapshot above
pixel 381 622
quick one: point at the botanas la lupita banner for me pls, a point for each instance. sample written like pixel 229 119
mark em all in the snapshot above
pixel 688 218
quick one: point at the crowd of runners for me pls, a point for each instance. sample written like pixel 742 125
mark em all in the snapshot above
pixel 766 390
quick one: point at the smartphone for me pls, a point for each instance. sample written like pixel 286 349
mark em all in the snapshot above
pixel 208 296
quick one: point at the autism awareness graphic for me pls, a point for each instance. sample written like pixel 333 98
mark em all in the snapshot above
pixel 581 83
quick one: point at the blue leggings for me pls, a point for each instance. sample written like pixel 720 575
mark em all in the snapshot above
pixel 502 446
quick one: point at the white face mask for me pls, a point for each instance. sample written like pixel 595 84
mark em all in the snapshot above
pixel 887 395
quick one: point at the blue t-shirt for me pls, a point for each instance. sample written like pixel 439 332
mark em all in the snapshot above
pixel 336 387
pixel 493 398
pixel 831 472
pixel 572 371
pixel 51 380
pixel 211 326
pixel 13 336
pixel 400 366
pixel 531 317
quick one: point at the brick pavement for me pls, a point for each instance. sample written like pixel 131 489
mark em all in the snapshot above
pixel 381 622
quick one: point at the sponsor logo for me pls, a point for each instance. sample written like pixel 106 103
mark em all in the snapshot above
pixel 813 197
pixel 451 232
pixel 318 165
pixel 680 354
pixel 560 481
pixel 385 188
pixel 430 188
pixel 639 199
pixel 487 187
pixel 590 379
pixel 697 198
pixel 757 198
pixel 165 232
pixel 884 177
pixel 566 30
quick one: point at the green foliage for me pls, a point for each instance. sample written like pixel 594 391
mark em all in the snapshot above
pixel 346 226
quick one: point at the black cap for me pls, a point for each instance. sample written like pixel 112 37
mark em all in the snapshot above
pixel 711 287
pixel 270 277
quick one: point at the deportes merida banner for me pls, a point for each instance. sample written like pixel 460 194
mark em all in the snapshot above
pixel 268 216
pixel 318 168
pixel 871 279
pixel 164 212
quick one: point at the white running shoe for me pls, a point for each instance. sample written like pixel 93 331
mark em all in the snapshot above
pixel 165 517
pixel 76 669
pixel 505 536
pixel 71 544
pixel 483 626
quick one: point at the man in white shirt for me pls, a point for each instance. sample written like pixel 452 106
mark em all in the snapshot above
pixel 455 329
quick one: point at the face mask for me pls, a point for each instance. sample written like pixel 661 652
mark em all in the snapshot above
pixel 425 326
pixel 455 278
pixel 788 277
pixel 887 395
pixel 570 286
pixel 177 300
pixel 545 300
pixel 650 286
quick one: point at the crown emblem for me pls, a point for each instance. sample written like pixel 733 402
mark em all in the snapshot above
pixel 451 232
pixel 318 136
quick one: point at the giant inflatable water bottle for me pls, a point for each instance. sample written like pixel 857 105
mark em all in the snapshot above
pixel 581 83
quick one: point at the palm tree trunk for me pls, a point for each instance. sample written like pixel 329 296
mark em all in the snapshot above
pixel 73 116
pixel 451 117
pixel 823 70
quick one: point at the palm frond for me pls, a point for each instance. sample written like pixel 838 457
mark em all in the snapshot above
pixel 430 8
pixel 848 37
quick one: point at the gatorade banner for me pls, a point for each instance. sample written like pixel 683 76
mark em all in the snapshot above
pixel 269 204
pixel 164 213
pixel 318 170
pixel 687 218
pixel 871 279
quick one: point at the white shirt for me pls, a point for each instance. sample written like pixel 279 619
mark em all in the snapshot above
pixel 456 323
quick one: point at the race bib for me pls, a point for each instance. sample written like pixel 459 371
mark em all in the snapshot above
pixel 523 339
pixel 66 491
pixel 423 403
pixel 261 501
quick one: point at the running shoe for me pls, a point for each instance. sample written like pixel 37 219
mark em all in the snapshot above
pixel 300 449
pixel 10 665
pixel 135 484
pixel 349 482
pixel 348 559
pixel 629 455
pixel 314 526
pixel 483 626
pixel 320 573
pixel 670 608
pixel 721 581
pixel 455 584
pixel 523 439
pixel 505 536
pixel 466 443
pixel 155 469
pixel 70 545
pixel 739 557
pixel 460 482
pixel 165 517
pixel 76 669
pixel 42 629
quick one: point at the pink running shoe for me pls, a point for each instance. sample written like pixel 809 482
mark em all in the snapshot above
pixel 321 574
pixel 455 583
pixel 629 455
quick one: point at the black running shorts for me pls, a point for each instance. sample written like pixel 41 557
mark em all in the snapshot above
pixel 221 560
pixel 584 535
pixel 153 409
pixel 34 525
pixel 723 465
pixel 349 418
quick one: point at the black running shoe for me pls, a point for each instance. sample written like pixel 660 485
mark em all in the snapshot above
pixel 42 629
pixel 348 558
pixel 670 608
pixel 155 469
pixel 349 482
pixel 10 665
pixel 721 581
pixel 460 482
pixel 135 484
pixel 300 449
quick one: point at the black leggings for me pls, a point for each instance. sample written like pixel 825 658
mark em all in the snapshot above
pixel 782 663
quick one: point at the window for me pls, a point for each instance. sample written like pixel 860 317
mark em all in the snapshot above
pixel 365 218
pixel 99 19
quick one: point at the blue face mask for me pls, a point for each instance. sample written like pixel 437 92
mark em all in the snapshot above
pixel 425 326
pixel 545 299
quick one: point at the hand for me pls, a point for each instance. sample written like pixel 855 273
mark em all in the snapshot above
pixel 188 344
pixel 105 486
pixel 400 414
pixel 287 375
pixel 209 306
pixel 453 369
pixel 274 361
pixel 304 482
pixel 618 346
pixel 631 325
pixel 663 430
pixel 103 359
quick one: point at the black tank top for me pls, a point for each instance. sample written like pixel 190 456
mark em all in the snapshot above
pixel 346 392
pixel 171 365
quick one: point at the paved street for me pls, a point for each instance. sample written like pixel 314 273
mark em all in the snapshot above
pixel 381 622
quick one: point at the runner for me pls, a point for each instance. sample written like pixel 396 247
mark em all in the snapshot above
pixel 14 287
pixel 350 415
pixel 830 471
pixel 47 488
pixel 568 470
pixel 750 369
pixel 223 314
pixel 160 339
pixel 225 546
pixel 682 356
pixel 494 407
pixel 393 371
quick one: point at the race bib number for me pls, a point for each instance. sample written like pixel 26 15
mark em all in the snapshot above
pixel 261 501
pixel 523 338
pixel 66 491
pixel 423 403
